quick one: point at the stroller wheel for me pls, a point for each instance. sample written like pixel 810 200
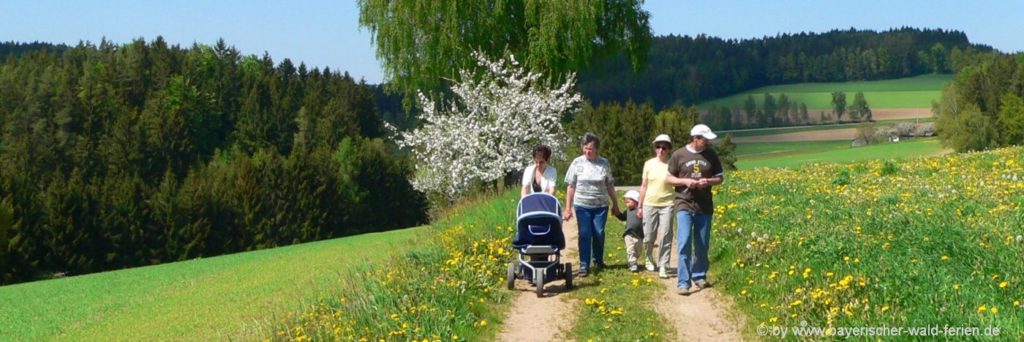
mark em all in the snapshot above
pixel 538 279
pixel 568 275
pixel 510 278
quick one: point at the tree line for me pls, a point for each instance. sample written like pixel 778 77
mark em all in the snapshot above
pixel 695 69
pixel 124 155
pixel 983 105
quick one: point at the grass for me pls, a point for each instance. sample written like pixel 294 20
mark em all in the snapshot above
pixel 619 304
pixel 912 92
pixel 897 243
pixel 226 297
pixel 795 154
pixel 446 287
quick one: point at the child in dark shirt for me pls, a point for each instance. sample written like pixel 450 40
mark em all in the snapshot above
pixel 634 232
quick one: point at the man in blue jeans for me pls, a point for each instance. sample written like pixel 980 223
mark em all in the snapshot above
pixel 693 170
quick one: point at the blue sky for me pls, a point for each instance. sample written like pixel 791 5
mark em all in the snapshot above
pixel 327 33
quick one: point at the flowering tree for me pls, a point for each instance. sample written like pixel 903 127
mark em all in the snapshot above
pixel 490 127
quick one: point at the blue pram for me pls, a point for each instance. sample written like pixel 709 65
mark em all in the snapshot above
pixel 539 240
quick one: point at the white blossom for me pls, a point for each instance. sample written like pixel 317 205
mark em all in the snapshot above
pixel 489 129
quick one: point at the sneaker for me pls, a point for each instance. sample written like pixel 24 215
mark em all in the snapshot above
pixel 583 273
pixel 683 291
pixel 702 283
pixel 633 267
pixel 663 273
pixel 650 266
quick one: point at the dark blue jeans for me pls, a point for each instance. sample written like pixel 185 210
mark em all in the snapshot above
pixel 591 224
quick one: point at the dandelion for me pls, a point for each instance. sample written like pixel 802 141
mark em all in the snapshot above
pixel 956 286
pixel 1004 284
pixel 944 258
pixel 982 308
pixel 994 310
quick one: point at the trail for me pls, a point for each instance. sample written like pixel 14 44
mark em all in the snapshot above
pixel 548 318
pixel 706 315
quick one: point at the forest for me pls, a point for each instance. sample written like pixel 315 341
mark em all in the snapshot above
pixel 691 70
pixel 121 155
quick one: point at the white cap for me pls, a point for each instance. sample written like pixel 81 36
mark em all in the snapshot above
pixel 662 138
pixel 704 131
pixel 633 195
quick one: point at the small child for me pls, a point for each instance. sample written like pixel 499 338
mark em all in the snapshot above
pixel 634 232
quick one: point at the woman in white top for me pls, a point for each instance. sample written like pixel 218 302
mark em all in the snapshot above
pixel 539 177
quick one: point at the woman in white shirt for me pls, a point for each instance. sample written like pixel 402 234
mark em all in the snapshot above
pixel 539 177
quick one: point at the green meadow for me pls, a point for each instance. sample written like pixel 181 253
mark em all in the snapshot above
pixel 907 243
pixel 796 153
pixel 238 296
pixel 911 92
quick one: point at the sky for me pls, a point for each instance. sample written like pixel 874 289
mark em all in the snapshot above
pixel 327 34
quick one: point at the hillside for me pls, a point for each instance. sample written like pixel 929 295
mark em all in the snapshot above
pixel 691 70
pixel 232 297
pixel 911 92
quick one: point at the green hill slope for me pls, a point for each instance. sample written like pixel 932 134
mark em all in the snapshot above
pixel 911 92
pixel 226 297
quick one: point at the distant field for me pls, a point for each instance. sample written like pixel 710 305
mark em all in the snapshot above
pixel 912 92
pixel 808 133
pixel 229 297
pixel 792 154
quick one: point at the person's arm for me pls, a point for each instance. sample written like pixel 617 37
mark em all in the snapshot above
pixel 643 194
pixel 676 181
pixel 527 178
pixel 615 202
pixel 622 216
pixel 716 168
pixel 570 191
pixel 550 180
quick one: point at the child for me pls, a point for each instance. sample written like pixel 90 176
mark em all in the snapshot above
pixel 634 233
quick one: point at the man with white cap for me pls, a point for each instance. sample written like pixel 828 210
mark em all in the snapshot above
pixel 693 170
pixel 656 206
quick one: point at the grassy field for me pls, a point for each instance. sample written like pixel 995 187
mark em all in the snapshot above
pixel 910 243
pixel 912 92
pixel 793 154
pixel 782 130
pixel 226 297
pixel 446 287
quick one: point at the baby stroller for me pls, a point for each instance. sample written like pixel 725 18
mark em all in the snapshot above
pixel 539 240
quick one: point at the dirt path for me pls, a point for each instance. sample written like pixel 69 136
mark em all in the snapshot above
pixel 544 319
pixel 706 315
